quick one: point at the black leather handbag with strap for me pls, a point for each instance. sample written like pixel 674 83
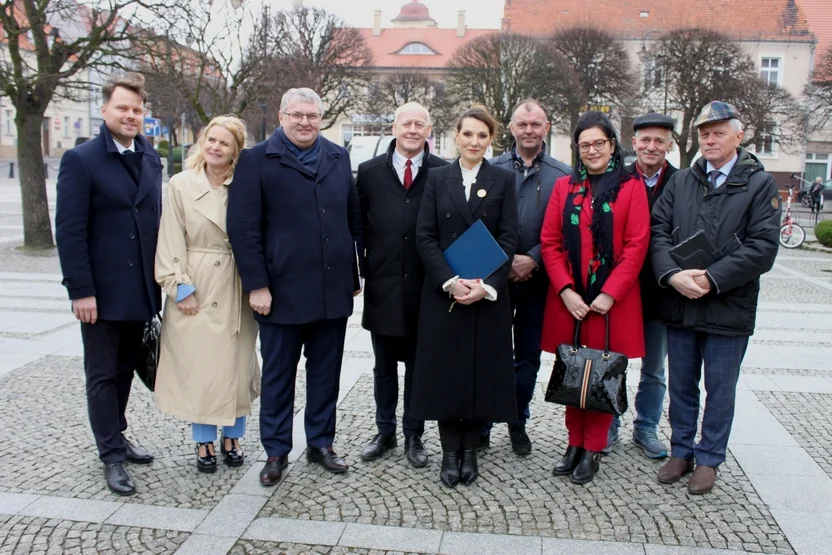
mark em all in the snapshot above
pixel 149 356
pixel 589 379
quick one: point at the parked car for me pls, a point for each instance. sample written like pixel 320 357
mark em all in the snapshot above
pixel 366 148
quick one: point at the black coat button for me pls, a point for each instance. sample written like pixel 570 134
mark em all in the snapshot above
pixel 453 234
pixel 326 239
pixel 129 262
pixel 407 200
pixel 328 267
pixel 404 275
pixel 135 210
pixel 405 237
pixel 448 215
pixel 154 209
pixel 323 210
pixel 485 214
pixel 132 235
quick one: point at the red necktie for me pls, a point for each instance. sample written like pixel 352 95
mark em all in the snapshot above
pixel 408 175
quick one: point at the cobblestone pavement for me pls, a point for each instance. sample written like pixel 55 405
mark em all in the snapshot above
pixel 808 418
pixel 53 498
pixel 520 496
pixel 41 536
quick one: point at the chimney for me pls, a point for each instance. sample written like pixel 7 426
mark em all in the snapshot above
pixel 460 24
pixel 377 23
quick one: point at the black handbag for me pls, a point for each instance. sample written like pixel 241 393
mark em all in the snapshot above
pixel 589 379
pixel 149 354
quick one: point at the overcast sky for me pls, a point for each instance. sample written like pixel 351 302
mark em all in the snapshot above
pixel 479 14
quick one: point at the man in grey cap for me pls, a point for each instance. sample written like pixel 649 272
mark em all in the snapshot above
pixel 536 173
pixel 729 207
pixel 652 140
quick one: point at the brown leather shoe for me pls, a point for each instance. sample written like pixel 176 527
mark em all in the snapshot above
pixel 702 480
pixel 673 470
pixel 273 470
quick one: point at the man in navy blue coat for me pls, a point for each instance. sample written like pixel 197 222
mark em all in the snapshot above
pixel 294 222
pixel 108 208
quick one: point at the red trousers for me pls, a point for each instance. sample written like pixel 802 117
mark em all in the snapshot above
pixel 587 429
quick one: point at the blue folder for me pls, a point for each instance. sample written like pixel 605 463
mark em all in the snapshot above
pixel 475 254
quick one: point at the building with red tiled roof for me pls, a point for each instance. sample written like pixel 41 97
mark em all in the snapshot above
pixel 819 15
pixel 413 43
pixel 777 34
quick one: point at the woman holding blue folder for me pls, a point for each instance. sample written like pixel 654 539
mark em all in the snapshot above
pixel 208 372
pixel 464 373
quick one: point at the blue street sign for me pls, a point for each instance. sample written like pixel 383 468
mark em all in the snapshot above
pixel 152 127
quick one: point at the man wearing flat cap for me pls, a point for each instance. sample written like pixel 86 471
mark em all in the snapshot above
pixel 729 208
pixel 652 140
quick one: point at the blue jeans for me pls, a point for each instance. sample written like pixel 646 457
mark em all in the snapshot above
pixel 206 433
pixel 722 357
pixel 652 384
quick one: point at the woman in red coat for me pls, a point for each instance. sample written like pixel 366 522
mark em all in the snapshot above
pixel 594 240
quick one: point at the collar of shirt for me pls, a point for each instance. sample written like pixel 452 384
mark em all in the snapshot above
pixel 400 164
pixel 653 180
pixel 723 171
pixel 469 177
pixel 121 148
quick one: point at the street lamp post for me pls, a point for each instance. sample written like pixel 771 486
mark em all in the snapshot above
pixel 263 122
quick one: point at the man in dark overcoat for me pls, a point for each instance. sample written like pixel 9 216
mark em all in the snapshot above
pixel 106 223
pixel 294 223
pixel 390 188
pixel 652 140
pixel 711 305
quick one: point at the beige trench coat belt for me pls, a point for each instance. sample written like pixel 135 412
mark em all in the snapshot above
pixel 237 287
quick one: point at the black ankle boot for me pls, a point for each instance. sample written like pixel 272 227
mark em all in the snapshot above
pixel 587 467
pixel 468 468
pixel 449 474
pixel 569 461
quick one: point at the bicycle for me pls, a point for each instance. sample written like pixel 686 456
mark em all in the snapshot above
pixel 792 235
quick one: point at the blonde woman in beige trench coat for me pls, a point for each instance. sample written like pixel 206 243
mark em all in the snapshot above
pixel 208 372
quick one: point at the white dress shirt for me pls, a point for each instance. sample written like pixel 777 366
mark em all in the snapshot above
pixel 121 148
pixel 469 177
pixel 400 164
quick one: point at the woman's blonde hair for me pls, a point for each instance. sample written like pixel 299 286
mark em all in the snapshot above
pixel 196 161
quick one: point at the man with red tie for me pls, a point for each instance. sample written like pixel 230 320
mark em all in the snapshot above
pixel 390 188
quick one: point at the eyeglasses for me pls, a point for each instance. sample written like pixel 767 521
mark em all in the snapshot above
pixel 597 145
pixel 297 117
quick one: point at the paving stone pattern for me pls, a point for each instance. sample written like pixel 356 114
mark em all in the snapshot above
pixel 520 496
pixel 44 412
pixel 40 536
pixel 249 547
pixel 808 418
pixel 793 291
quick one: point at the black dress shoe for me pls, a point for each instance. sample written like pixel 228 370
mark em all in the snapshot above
pixel 118 479
pixel 449 473
pixel 520 442
pixel 468 471
pixel 378 446
pixel 327 458
pixel 587 467
pixel 208 463
pixel 232 457
pixel 484 441
pixel 136 454
pixel 415 451
pixel 273 471
pixel 569 461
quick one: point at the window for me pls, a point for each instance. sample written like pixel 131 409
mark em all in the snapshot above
pixel 66 126
pixel 416 48
pixel 764 141
pixel 770 71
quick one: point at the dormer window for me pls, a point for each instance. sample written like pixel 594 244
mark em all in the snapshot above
pixel 416 48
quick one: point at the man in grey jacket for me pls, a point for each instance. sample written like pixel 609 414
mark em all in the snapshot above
pixel 536 174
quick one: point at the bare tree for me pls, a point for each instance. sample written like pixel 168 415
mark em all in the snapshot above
pixel 501 69
pixel 819 93
pixel 394 89
pixel 771 116
pixel 599 74
pixel 204 53
pixel 699 66
pixel 50 46
pixel 309 47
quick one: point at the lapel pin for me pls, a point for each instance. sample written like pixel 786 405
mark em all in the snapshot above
pixel 481 193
